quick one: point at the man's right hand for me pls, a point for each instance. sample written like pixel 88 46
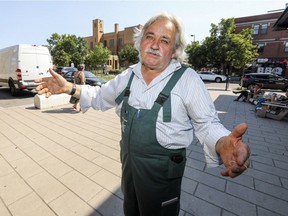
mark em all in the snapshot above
pixel 53 85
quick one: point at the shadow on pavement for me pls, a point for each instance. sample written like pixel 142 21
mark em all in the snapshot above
pixel 61 110
pixel 5 94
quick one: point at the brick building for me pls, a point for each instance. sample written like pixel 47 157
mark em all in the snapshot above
pixel 114 41
pixel 273 45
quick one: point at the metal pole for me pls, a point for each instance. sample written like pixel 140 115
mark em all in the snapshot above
pixel 227 82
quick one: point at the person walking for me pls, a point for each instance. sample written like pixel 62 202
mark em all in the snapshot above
pixel 161 104
pixel 79 78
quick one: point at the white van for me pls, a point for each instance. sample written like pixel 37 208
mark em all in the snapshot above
pixel 21 64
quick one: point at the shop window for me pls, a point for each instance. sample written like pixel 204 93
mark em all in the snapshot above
pixel 286 46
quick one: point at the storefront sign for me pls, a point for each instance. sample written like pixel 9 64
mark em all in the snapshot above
pixel 276 70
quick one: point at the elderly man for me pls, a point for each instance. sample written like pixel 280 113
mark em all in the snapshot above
pixel 161 104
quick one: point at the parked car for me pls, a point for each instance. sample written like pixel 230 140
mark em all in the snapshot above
pixel 90 78
pixel 210 76
pixel 61 70
pixel 268 80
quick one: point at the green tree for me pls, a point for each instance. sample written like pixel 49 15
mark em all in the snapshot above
pixel 197 55
pixel 67 49
pixel 128 55
pixel 98 56
pixel 224 48
pixel 244 51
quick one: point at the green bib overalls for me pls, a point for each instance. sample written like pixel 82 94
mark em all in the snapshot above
pixel 151 174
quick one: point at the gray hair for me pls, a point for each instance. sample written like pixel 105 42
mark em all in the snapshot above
pixel 180 44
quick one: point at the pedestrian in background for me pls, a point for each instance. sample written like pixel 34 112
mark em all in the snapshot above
pixel 161 104
pixel 79 79
pixel 253 92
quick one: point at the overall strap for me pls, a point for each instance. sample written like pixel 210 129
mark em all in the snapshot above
pixel 164 99
pixel 126 92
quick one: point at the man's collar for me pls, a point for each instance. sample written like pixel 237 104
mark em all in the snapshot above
pixel 173 66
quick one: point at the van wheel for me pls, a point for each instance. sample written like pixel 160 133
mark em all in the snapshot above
pixel 13 90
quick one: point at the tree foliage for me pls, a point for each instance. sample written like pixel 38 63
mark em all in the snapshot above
pixel 128 55
pixel 197 55
pixel 67 49
pixel 224 48
pixel 98 56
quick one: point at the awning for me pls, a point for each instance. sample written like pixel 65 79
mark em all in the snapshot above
pixel 282 21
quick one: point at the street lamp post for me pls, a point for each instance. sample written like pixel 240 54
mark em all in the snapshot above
pixel 193 37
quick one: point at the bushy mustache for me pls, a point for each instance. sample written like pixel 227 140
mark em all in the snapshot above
pixel 152 51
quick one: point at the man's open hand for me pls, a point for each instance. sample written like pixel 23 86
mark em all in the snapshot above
pixel 52 85
pixel 233 152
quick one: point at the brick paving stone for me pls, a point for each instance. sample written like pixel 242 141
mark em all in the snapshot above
pixel 70 204
pixel 12 188
pixel 46 186
pixel 198 207
pixel 26 167
pixel 258 198
pixel 265 212
pixel 107 203
pixel 83 165
pixel 55 166
pixel 270 169
pixel 3 210
pixel 205 178
pixel 266 177
pixel 81 185
pixel 230 203
pixel 272 190
pixel 107 180
pixel 30 205
pixel 111 165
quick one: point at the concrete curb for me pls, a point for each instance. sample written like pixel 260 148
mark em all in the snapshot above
pixel 41 102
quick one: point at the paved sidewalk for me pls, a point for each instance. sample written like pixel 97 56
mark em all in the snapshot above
pixel 55 162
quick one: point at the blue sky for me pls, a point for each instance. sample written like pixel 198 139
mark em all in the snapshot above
pixel 33 22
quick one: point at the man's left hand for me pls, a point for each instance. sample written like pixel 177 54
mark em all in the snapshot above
pixel 234 152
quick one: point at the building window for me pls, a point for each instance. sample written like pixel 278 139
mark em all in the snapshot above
pixel 261 47
pixel 120 42
pixel 286 46
pixel 264 29
pixel 256 29
pixel 111 43
pixel 105 43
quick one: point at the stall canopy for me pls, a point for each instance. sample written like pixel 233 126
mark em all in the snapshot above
pixel 282 21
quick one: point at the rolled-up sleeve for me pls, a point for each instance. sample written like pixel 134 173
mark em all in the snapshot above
pixel 103 98
pixel 88 94
pixel 216 131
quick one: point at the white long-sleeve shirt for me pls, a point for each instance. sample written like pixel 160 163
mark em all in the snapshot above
pixel 192 107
